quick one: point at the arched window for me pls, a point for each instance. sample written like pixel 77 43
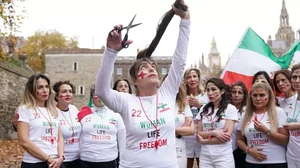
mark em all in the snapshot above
pixel 75 66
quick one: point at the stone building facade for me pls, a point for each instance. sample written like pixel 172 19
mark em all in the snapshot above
pixel 79 66
pixel 12 81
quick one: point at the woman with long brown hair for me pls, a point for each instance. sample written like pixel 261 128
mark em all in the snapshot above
pixel 148 114
pixel 38 127
pixel 215 126
pixel 261 134
pixel 196 99
pixel 282 84
pixel 239 95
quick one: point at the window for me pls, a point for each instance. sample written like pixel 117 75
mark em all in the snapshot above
pixel 75 66
pixel 119 71
pixel 81 90
pixel 163 71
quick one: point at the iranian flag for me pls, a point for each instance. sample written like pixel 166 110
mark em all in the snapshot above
pixel 253 55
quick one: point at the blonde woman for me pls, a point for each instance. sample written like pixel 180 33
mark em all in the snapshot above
pixel 184 125
pixel 261 134
pixel 196 99
pixel 38 127
pixel 293 123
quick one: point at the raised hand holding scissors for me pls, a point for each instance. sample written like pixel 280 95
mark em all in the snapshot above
pixel 114 38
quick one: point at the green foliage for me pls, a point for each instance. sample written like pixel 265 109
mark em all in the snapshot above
pixel 11 17
pixel 37 45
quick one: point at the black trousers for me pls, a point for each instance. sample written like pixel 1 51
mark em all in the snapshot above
pixel 239 158
pixel 276 165
pixel 37 165
pixel 76 163
pixel 110 164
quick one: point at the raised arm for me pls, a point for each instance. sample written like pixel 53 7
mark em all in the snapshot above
pixel 173 80
pixel 114 100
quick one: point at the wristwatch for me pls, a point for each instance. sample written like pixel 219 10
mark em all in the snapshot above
pixel 268 132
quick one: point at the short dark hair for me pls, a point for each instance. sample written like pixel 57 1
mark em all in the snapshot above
pixel 57 85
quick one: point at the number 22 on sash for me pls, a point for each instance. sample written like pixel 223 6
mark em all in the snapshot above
pixel 136 113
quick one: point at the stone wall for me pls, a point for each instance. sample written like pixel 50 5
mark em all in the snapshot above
pixel 12 84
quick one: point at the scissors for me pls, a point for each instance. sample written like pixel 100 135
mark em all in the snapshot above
pixel 127 28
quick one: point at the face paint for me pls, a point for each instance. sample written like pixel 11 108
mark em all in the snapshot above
pixel 141 75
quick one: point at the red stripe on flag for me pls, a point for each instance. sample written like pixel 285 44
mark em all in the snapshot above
pixel 233 77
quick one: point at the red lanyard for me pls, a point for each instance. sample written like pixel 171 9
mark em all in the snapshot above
pixel 71 126
pixel 255 117
pixel 50 124
pixel 155 126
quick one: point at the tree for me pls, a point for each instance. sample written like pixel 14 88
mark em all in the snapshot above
pixel 11 16
pixel 36 46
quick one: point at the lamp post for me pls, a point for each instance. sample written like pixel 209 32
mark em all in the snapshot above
pixel 298 34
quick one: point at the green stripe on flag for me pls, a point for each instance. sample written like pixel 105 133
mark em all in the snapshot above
pixel 253 42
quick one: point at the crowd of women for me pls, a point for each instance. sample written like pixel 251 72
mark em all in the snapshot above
pixel 164 124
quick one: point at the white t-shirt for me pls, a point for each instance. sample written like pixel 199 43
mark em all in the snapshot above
pixel 293 147
pixel 67 121
pixel 203 99
pixel 209 124
pixel 275 153
pixel 99 135
pixel 179 121
pixel 140 148
pixel 236 125
pixel 39 131
pixel 287 104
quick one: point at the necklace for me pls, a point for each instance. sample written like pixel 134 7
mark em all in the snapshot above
pixel 50 124
pixel 71 125
pixel 156 123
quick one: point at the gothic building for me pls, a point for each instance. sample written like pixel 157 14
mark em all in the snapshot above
pixel 285 35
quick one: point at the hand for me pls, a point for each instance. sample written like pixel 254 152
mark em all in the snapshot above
pixel 181 13
pixel 260 126
pixel 56 163
pixel 114 39
pixel 292 126
pixel 201 140
pixel 193 101
pixel 222 135
pixel 257 154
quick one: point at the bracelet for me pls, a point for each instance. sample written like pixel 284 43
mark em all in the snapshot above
pixel 247 150
pixel 48 158
pixel 268 132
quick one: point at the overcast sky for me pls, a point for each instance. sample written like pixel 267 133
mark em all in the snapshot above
pixel 226 20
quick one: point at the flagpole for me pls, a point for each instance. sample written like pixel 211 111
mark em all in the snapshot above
pixel 225 68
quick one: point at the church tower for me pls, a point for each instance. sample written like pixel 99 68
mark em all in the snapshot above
pixel 285 35
pixel 214 59
pixel 285 31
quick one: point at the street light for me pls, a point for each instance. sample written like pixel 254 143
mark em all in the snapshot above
pixel 298 34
